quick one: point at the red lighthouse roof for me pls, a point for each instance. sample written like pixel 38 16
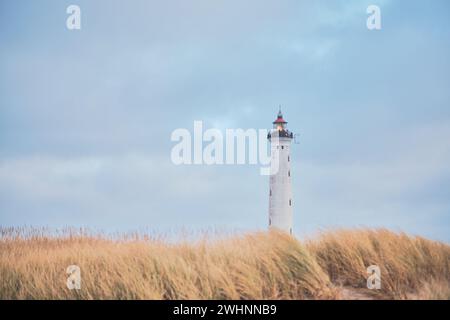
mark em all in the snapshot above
pixel 280 118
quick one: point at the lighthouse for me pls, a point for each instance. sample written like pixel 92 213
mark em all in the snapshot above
pixel 280 194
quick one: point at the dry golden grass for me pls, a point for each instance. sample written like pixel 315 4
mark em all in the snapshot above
pixel 407 263
pixel 432 290
pixel 255 266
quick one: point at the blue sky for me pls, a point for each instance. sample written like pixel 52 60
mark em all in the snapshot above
pixel 86 116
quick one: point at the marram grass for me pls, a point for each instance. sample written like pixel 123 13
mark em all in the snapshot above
pixel 265 265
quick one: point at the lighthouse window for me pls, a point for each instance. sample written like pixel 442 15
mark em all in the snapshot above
pixel 270 222
pixel 289 158
pixel 290 202
pixel 282 147
pixel 290 230
pixel 270 192
pixel 289 173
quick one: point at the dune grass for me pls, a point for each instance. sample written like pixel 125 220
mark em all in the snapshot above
pixel 265 265
pixel 407 264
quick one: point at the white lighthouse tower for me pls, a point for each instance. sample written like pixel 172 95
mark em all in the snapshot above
pixel 280 194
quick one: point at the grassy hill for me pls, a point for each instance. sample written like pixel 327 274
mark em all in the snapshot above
pixel 266 265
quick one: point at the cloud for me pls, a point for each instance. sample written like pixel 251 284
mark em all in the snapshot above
pixel 124 191
pixel 396 190
pixel 399 189
pixel 86 118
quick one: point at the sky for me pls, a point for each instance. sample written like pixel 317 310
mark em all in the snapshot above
pixel 86 115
